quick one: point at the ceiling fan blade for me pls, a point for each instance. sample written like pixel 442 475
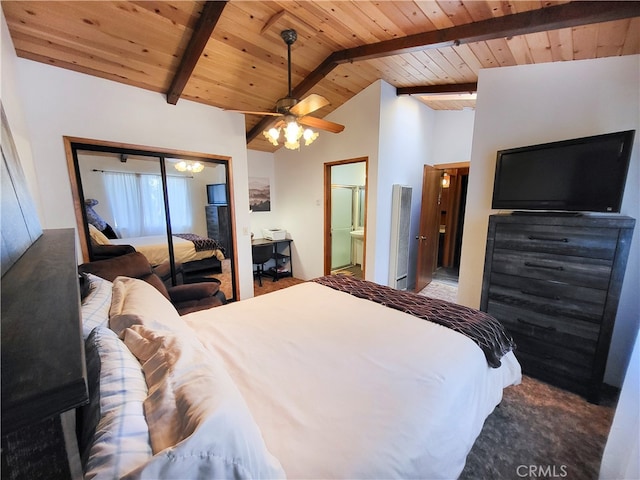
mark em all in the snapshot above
pixel 250 112
pixel 321 124
pixel 309 104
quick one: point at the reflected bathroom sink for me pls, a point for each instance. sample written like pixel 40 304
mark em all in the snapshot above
pixel 357 234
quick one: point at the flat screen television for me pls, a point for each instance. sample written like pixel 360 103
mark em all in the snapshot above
pixel 217 194
pixel 579 175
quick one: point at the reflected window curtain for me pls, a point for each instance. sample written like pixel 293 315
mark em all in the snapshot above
pixel 180 204
pixel 124 200
pixel 136 203
pixel 152 203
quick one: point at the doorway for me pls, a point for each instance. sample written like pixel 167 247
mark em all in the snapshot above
pixel 441 223
pixel 455 179
pixel 345 217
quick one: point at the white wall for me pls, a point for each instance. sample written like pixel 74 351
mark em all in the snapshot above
pixel 452 136
pixel 60 102
pixel 406 140
pixel 621 458
pixel 532 104
pixel 260 165
pixel 12 106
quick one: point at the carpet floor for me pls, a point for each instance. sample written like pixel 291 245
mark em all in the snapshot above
pixel 539 428
pixel 537 431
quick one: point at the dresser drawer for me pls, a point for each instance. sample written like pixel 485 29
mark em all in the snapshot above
pixel 581 271
pixel 560 373
pixel 556 356
pixel 547 297
pixel 556 239
pixel 565 331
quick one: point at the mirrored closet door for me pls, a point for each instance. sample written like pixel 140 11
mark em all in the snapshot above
pixel 173 207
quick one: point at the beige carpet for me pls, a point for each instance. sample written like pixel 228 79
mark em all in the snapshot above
pixel 441 290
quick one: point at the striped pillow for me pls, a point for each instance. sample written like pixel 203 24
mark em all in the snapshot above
pixel 115 435
pixel 95 306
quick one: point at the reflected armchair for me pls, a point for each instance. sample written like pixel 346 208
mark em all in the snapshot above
pixel 186 298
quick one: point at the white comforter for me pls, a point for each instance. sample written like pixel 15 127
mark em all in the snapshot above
pixel 341 387
pixel 156 249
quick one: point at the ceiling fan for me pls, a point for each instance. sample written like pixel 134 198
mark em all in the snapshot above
pixel 294 113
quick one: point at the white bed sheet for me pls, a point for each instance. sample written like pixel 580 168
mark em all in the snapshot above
pixel 155 248
pixel 342 387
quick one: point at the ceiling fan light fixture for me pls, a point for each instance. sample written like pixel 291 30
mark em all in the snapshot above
pixel 292 132
pixel 309 136
pixel 193 167
pixel 273 134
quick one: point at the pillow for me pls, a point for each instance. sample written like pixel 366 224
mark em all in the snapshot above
pixel 114 437
pixel 135 302
pixel 199 424
pixel 95 306
pixel 94 217
pixel 97 236
pixel 85 285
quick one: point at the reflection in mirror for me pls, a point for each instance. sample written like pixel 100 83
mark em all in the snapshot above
pixel 204 221
pixel 123 199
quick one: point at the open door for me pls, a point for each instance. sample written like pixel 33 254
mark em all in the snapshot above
pixel 428 234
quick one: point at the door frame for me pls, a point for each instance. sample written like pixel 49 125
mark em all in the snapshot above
pixel 327 209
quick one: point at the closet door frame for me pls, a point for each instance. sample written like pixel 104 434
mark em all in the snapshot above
pixel 74 144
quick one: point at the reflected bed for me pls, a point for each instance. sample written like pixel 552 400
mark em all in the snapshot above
pixel 155 248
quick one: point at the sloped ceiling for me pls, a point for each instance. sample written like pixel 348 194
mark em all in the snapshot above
pixel 230 54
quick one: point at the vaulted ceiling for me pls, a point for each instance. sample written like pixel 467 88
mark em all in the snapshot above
pixel 231 55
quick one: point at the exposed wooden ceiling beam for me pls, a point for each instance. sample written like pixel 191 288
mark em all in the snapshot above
pixel 211 12
pixel 550 18
pixel 437 89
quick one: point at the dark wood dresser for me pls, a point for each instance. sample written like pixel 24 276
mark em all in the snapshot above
pixel 554 281
pixel 43 364
pixel 219 224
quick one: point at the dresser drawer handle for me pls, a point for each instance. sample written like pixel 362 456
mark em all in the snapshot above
pixel 542 295
pixel 548 267
pixel 548 328
pixel 549 239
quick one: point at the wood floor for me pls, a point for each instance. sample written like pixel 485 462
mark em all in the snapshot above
pixel 268 285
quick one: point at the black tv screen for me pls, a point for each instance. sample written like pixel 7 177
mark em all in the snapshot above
pixel 217 194
pixel 583 174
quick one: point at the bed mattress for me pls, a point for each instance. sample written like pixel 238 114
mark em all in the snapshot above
pixel 155 248
pixel 342 387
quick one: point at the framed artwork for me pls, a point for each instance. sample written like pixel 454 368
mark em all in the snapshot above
pixel 259 194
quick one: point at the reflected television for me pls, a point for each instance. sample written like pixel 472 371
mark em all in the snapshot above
pixel 217 194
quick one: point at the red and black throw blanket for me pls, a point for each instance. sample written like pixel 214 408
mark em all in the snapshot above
pixel 201 243
pixel 487 332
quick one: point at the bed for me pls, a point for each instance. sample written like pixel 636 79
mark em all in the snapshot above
pixel 155 248
pixel 332 378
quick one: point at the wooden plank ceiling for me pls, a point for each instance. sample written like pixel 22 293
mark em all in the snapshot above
pixel 230 55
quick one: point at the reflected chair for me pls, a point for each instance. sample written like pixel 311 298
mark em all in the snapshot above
pixel 185 298
pixel 261 254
